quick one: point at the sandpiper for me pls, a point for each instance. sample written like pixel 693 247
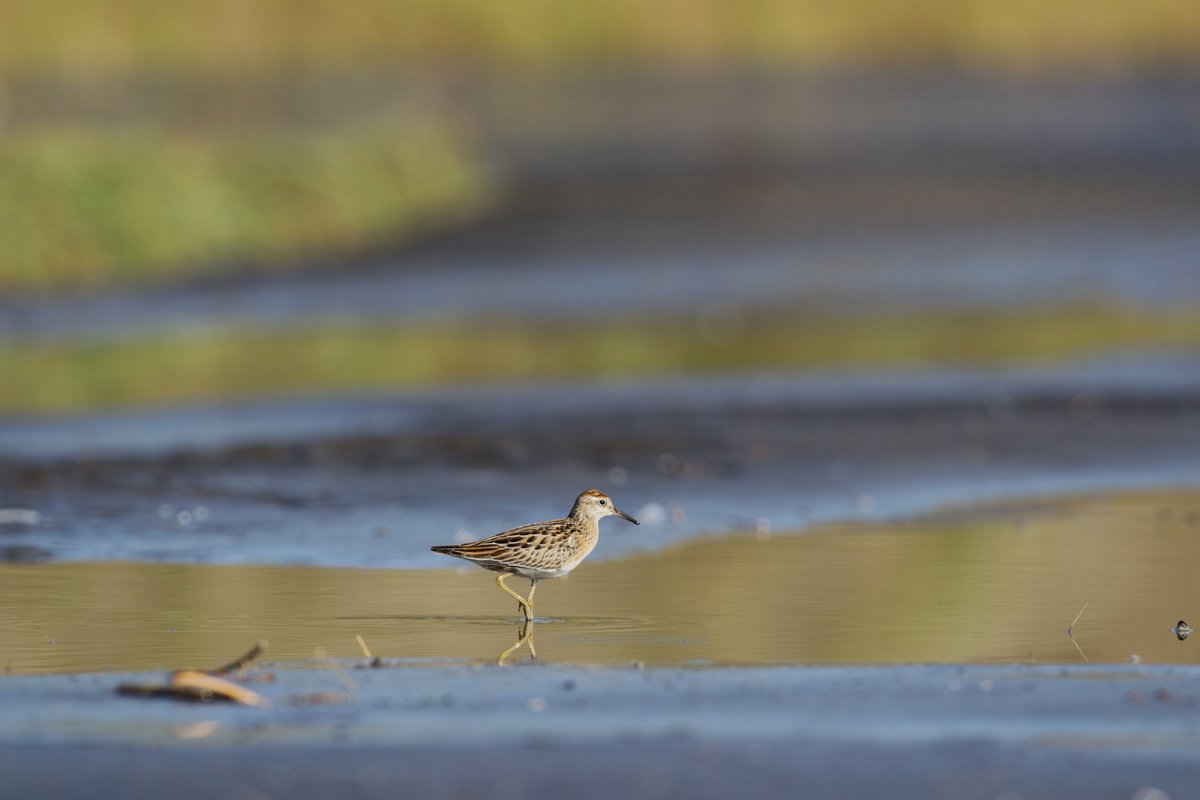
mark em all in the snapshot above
pixel 542 549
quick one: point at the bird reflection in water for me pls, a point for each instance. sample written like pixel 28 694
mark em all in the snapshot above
pixel 524 636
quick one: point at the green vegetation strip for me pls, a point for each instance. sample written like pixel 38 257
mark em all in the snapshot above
pixel 233 36
pixel 90 209
pixel 226 364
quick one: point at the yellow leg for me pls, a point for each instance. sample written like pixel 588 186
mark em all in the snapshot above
pixel 521 601
pixel 529 604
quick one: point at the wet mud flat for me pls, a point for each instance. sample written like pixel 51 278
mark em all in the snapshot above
pixel 373 481
pixel 370 482
pixel 713 690
pixel 472 730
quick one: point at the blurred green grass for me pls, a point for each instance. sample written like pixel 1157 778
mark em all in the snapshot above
pixel 272 35
pixel 159 189
pixel 230 364
pixel 86 209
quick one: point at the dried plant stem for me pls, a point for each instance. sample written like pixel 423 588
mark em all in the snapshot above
pixel 1077 616
pixel 201 686
pixel 238 663
pixel 1072 638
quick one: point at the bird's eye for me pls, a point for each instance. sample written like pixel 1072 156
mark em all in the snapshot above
pixel 603 502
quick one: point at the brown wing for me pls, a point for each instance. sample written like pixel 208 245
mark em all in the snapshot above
pixel 537 545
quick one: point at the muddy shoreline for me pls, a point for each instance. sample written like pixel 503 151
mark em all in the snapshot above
pixel 904 732
pixel 370 482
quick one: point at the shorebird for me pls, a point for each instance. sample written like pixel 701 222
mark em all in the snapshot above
pixel 542 549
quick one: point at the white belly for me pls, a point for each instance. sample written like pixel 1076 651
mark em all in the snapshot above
pixel 539 573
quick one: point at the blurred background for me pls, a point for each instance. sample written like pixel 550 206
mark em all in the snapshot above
pixel 210 201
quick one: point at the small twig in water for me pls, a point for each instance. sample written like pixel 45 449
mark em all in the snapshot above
pixel 324 698
pixel 372 661
pixel 1077 616
pixel 192 684
pixel 1072 638
pixel 238 663
pixel 196 685
pixel 342 675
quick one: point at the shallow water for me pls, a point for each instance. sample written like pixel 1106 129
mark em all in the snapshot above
pixel 996 584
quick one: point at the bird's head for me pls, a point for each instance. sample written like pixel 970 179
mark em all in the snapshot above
pixel 594 504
